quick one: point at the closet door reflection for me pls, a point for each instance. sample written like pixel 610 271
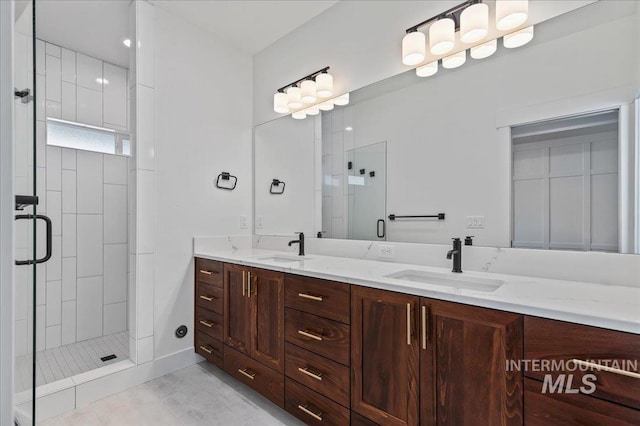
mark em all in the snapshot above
pixel 367 192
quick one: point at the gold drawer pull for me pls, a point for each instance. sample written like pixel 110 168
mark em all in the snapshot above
pixel 598 367
pixel 409 324
pixel 207 298
pixel 304 409
pixel 305 370
pixel 206 349
pixel 311 335
pixel 204 271
pixel 243 371
pixel 207 323
pixel 310 296
pixel 424 327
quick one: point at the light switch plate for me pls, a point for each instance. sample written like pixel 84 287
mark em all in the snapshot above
pixel 259 222
pixel 386 251
pixel 244 221
pixel 475 222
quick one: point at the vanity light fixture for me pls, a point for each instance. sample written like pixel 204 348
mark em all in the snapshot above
pixel 308 96
pixel 473 20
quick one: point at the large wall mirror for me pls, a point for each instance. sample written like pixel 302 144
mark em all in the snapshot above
pixel 534 147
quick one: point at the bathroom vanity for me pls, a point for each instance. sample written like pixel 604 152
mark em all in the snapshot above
pixel 349 341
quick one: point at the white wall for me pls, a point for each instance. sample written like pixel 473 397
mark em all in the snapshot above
pixel 202 127
pixel 359 40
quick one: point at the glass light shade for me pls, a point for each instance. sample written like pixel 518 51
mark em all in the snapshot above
pixel 474 23
pixel 312 110
pixel 293 97
pixel 324 85
pixel 280 103
pixel 511 14
pixel 442 36
pixel 342 100
pixel 427 70
pixel 308 92
pixel 484 50
pixel 299 115
pixel 326 106
pixel 455 60
pixel 414 46
pixel 519 38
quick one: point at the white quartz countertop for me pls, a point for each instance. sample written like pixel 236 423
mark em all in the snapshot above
pixel 607 306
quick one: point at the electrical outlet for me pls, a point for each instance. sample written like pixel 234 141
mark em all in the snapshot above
pixel 386 251
pixel 475 222
pixel 244 221
pixel 259 222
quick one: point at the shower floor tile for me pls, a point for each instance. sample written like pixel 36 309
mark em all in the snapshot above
pixel 66 361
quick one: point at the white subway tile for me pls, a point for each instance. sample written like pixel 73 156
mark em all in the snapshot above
pixel 54 303
pixel 54 168
pixel 68 235
pixel 115 169
pixel 68 322
pixel 145 292
pixel 68 66
pixel 68 279
pixel 69 192
pixel 89 182
pixel 89 247
pixel 88 70
pixel 115 318
pixel 115 214
pixel 54 265
pixel 53 50
pixel 145 212
pixel 338 165
pixel 41 144
pixel 68 159
pixel 53 78
pixel 115 273
pixel 41 328
pixel 115 95
pixel 89 308
pixel 40 98
pixel 53 109
pixel 41 189
pixel 40 57
pixel 68 102
pixel 54 211
pixel 89 106
pixel 53 336
pixel 145 128
pixel 41 282
pixel 145 44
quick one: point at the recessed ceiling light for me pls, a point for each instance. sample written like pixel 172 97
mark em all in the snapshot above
pixel 102 81
pixel 348 128
pixel 127 42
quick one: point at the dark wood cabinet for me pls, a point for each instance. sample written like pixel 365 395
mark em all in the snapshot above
pixel 384 356
pixel 464 353
pixel 266 294
pixel 237 309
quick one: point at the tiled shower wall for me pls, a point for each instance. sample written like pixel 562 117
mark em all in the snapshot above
pixel 82 290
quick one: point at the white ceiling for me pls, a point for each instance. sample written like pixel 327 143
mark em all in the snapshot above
pixel 249 25
pixel 92 27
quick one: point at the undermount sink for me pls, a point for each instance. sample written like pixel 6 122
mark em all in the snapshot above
pixel 448 280
pixel 283 259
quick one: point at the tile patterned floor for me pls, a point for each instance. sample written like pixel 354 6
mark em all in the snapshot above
pixel 66 361
pixel 197 395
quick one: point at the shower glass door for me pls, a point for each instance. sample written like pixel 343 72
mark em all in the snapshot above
pixel 30 225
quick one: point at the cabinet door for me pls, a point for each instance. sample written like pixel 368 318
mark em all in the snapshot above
pixel 237 310
pixel 464 380
pixel 384 356
pixel 267 295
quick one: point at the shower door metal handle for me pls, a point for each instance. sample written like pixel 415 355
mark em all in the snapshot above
pixel 378 233
pixel 47 255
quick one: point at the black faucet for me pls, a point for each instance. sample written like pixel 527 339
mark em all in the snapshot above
pixel 457 255
pixel 300 242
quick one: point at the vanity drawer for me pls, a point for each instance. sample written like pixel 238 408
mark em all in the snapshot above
pixel 209 271
pixel 209 323
pixel 209 348
pixel 313 408
pixel 210 297
pixel 542 409
pixel 316 334
pixel 324 376
pixel 553 340
pixel 327 299
pixel 259 377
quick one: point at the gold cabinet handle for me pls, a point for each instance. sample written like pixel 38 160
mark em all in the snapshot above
pixel 243 371
pixel 409 324
pixel 203 271
pixel 207 323
pixel 206 349
pixel 249 284
pixel 305 409
pixel 309 296
pixel 311 335
pixel 244 283
pixel 598 367
pixel 424 327
pixel 207 298
pixel 305 370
